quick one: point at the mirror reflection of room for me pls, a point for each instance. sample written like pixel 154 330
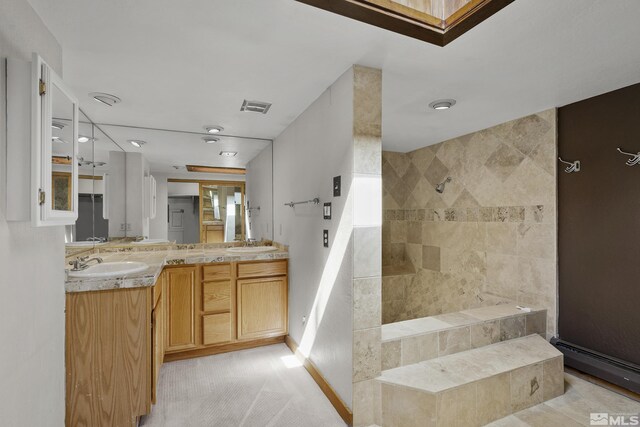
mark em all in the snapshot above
pixel 205 212
pixel 62 151
pixel 101 187
pixel 222 213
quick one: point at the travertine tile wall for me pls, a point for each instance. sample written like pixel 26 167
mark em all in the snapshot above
pixel 367 244
pixel 490 236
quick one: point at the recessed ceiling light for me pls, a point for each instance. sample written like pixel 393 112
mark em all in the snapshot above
pixel 214 129
pixel 105 98
pixel 84 138
pixel 228 153
pixel 57 125
pixel 442 104
pixel 137 142
pixel 210 139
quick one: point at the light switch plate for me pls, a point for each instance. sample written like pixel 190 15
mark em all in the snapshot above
pixel 337 186
pixel 325 238
pixel 326 211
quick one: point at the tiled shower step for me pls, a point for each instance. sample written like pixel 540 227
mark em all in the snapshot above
pixel 412 341
pixel 474 387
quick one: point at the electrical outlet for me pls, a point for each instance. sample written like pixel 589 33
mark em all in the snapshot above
pixel 122 228
pixel 336 186
pixel 325 238
pixel 128 226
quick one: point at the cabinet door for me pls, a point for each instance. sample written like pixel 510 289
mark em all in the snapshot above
pixel 158 346
pixel 262 307
pixel 181 310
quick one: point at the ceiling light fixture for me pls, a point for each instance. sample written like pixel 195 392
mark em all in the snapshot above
pixel 442 104
pixel 214 129
pixel 105 98
pixel 137 142
pixel 210 139
pixel 84 138
pixel 57 125
pixel 228 153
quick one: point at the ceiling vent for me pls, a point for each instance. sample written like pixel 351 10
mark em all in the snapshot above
pixel 255 106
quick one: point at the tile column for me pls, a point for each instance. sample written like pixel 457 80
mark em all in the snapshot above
pixel 367 244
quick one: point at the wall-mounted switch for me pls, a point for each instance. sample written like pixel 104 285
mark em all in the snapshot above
pixel 336 186
pixel 325 238
pixel 326 211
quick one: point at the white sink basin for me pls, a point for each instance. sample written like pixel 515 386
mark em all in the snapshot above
pixel 151 242
pixel 252 249
pixel 110 269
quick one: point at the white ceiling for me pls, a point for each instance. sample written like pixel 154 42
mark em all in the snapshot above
pixel 181 65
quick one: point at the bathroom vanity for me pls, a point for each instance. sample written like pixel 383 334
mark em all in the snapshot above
pixel 188 303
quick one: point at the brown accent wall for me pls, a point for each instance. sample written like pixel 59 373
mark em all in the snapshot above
pixel 489 238
pixel 599 225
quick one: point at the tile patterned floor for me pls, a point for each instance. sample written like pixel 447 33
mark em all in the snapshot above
pixel 573 408
pixel 249 388
pixel 255 388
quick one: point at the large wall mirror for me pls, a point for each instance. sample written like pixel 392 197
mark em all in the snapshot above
pixel 196 188
pixel 101 188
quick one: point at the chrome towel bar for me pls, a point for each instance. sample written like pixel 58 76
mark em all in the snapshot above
pixel 315 201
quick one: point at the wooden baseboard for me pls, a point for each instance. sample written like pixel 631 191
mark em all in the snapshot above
pixel 343 410
pixel 223 348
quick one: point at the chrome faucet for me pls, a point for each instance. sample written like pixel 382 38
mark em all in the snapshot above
pixel 81 263
pixel 251 242
pixel 96 239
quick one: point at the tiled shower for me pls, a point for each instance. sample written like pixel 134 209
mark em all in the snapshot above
pixel 490 237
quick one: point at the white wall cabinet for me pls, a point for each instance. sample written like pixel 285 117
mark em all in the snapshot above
pixel 42 145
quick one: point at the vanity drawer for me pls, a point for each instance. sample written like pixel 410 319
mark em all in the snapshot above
pixel 216 296
pixel 216 328
pixel 216 272
pixel 262 269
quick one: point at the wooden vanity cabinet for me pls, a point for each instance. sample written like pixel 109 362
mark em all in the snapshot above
pixel 218 304
pixel 181 300
pixel 218 307
pixel 262 299
pixel 108 357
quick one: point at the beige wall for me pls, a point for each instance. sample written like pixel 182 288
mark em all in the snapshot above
pixel 490 236
pixel 31 265
pixel 305 160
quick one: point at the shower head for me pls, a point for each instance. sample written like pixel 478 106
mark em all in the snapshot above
pixel 440 187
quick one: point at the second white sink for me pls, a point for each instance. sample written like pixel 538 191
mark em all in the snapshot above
pixel 252 249
pixel 110 269
pixel 151 242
